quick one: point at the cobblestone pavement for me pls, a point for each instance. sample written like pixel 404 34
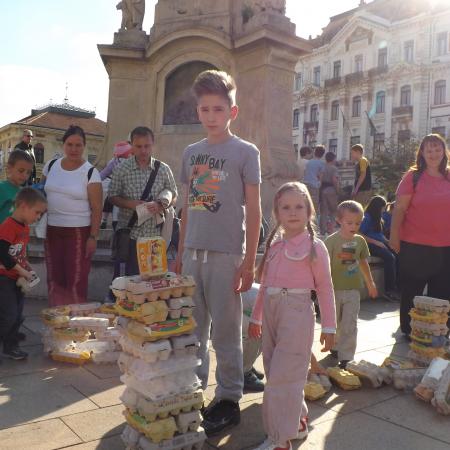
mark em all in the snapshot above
pixel 46 405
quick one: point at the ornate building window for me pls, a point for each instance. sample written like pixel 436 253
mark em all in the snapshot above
pixel 296 117
pixel 337 69
pixel 335 110
pixel 316 76
pixel 180 107
pixel 439 92
pixel 380 102
pixel 39 153
pixel 408 50
pixel 314 113
pixel 382 57
pixel 405 95
pixel 442 43
pixel 332 145
pixel 356 106
pixel 298 83
pixel 358 63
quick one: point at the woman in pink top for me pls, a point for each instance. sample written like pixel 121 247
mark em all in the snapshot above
pixel 291 268
pixel 420 230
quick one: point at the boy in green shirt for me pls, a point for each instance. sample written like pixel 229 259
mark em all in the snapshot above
pixel 348 256
pixel 18 170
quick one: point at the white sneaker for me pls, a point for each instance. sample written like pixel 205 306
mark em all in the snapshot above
pixel 268 444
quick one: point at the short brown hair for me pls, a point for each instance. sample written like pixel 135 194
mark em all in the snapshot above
pixel 319 151
pixel 29 196
pixel 350 206
pixel 19 155
pixel 215 82
pixel 358 148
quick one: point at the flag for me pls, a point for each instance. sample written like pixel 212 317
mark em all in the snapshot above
pixel 373 128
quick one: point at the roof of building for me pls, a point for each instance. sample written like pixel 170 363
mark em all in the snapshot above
pixel 392 10
pixel 60 117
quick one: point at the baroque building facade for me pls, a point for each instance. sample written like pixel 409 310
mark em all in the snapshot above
pixel 378 75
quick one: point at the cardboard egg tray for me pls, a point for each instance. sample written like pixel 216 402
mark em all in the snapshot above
pixel 428 316
pixel 140 332
pixel 436 305
pixel 344 379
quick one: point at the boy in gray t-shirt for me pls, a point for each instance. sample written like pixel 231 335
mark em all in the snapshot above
pixel 219 234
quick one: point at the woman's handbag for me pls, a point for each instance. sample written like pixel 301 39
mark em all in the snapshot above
pixel 121 238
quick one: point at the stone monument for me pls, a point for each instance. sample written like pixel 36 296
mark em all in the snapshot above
pixel 151 76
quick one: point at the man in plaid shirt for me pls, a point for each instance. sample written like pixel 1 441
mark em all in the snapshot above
pixel 127 185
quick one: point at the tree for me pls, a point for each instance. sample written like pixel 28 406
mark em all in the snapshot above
pixel 390 163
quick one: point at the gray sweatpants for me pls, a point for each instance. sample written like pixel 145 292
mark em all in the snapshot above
pixel 218 313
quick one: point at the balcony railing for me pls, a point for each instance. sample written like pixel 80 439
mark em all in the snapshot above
pixel 353 77
pixel 332 82
pixel 375 71
pixel 402 110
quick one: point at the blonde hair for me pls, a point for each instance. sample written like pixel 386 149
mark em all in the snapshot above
pixel 350 206
pixel 293 186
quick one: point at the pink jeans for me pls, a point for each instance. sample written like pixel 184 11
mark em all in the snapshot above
pixel 67 265
pixel 288 333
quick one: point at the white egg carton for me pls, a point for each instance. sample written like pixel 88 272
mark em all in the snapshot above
pixel 96 346
pixel 149 352
pixel 370 372
pixel 84 309
pixel 441 399
pixel 432 304
pixel 108 357
pixel 180 307
pixel 89 323
pixel 110 334
pixel 407 379
pixel 186 344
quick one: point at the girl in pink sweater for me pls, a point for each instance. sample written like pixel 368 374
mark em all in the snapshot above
pixel 293 265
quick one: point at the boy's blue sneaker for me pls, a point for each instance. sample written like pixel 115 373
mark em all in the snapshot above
pixel 14 353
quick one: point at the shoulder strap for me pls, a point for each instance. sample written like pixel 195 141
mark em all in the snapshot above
pixel 89 175
pixel 415 179
pixel 50 165
pixel 148 188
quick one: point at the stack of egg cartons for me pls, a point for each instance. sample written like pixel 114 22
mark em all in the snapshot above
pixel 80 333
pixel 158 362
pixel 428 329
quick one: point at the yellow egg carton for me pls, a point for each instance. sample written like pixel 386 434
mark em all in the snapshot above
pixel 140 291
pixel 436 305
pixel 173 327
pixel 428 316
pixel 71 357
pixel 314 391
pixel 427 352
pixel 70 334
pixel 149 312
pixel 56 317
pixel 155 431
pixel 344 379
pixel 108 308
pixel 161 409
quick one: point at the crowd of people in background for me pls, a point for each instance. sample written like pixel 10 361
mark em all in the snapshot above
pixel 218 241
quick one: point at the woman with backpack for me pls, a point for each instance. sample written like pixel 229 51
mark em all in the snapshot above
pixel 420 227
pixel 74 193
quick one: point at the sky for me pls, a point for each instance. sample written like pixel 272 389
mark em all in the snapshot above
pixel 47 44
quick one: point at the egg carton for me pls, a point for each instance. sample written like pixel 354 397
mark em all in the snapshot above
pixel 89 323
pixel 370 372
pixel 107 357
pixel 186 344
pixel 84 309
pixel 441 399
pixel 180 307
pixel 155 431
pixel 108 308
pixel 407 379
pixel 56 317
pixel 314 391
pixel 344 379
pixel 70 334
pixel 395 362
pixel 321 379
pixel 108 316
pixel 149 312
pixel 428 340
pixel 427 352
pixel 436 329
pixel 171 285
pixel 436 305
pixel 173 327
pixel 97 346
pixel 173 406
pixel 434 372
pixel 78 358
pixel 110 334
pixel 419 359
pixel 188 441
pixel 149 352
pixel 188 421
pixel 428 316
pixel 55 345
pixel 158 389
pixel 144 371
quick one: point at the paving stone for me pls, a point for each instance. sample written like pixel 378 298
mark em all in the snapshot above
pixel 97 424
pixel 407 411
pixel 38 396
pixel 34 306
pixel 363 432
pixel 103 371
pixel 111 443
pixel 46 435
pixel 35 324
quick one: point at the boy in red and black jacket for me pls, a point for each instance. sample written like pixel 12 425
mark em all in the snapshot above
pixel 14 236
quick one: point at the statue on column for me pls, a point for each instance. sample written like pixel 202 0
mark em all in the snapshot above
pixel 133 12
pixel 278 6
